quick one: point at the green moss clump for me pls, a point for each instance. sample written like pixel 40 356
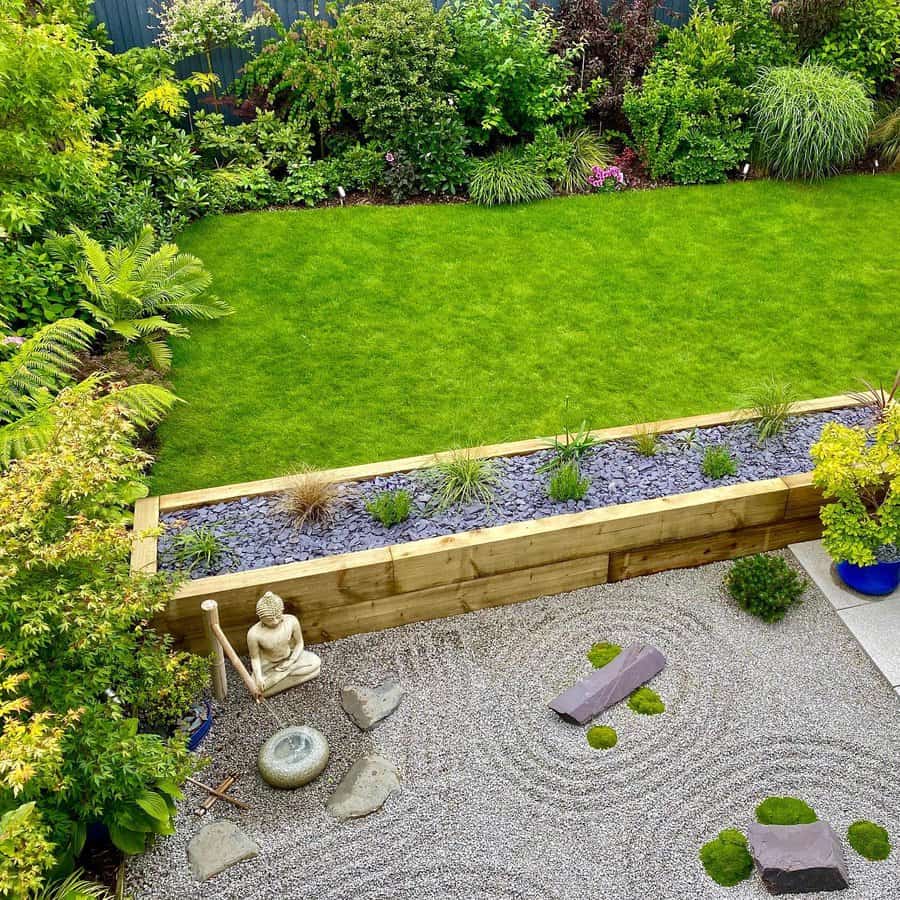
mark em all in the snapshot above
pixel 726 859
pixel 602 737
pixel 603 653
pixel 784 811
pixel 646 702
pixel 869 840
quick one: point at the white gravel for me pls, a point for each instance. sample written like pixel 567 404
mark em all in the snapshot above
pixel 502 800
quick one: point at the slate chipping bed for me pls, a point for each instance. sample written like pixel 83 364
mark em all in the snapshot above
pixel 502 800
pixel 258 534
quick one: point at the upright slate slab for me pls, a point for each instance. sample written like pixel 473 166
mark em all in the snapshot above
pixel 796 859
pixel 634 666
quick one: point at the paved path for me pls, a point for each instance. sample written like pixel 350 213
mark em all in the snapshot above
pixel 873 621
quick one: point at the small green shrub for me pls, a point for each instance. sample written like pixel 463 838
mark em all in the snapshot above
pixel 784 811
pixel 602 737
pixel 726 858
pixel 765 586
pixel 810 120
pixel 646 442
pixel 507 177
pixel 199 546
pixel 772 403
pixel 567 483
pixel 463 479
pixel 869 840
pixel 718 462
pixel 603 653
pixel 646 702
pixel 389 507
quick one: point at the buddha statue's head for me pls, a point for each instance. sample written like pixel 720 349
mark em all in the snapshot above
pixel 270 609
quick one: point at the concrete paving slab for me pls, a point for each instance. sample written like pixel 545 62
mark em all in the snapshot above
pixel 876 625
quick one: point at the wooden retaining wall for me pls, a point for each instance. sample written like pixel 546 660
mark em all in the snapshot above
pixel 373 589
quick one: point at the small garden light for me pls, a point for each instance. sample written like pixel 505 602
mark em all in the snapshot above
pixel 342 194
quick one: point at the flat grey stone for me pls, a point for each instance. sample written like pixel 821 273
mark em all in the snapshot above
pixel 796 859
pixel 366 706
pixel 293 756
pixel 370 781
pixel 217 847
pixel 634 666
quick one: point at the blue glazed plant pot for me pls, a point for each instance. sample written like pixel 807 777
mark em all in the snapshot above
pixel 875 580
pixel 202 719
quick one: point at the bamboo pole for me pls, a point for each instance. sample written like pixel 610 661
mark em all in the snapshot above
pixel 235 660
pixel 221 795
pixel 217 664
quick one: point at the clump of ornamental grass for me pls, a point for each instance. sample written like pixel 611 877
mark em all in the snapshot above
pixel 390 507
pixel 785 811
pixel 602 737
pixel 726 858
pixel 462 479
pixel 200 546
pixel 885 134
pixel 567 483
pixel 507 177
pixel 584 150
pixel 772 403
pixel 718 463
pixel 646 702
pixel 602 653
pixel 869 840
pixel 311 498
pixel 646 441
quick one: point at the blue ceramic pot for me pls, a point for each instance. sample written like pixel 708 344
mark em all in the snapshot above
pixel 198 733
pixel 876 580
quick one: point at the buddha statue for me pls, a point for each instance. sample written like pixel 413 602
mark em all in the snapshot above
pixel 276 649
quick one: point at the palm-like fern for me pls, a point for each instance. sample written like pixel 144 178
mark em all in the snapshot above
pixel 134 287
pixel 31 377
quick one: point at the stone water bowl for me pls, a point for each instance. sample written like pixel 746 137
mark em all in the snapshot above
pixel 293 756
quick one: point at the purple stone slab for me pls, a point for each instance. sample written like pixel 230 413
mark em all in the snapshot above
pixel 798 859
pixel 634 666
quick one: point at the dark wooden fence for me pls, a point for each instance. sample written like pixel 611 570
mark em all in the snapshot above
pixel 130 24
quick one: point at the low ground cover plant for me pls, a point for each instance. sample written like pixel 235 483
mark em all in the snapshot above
pixel 726 858
pixel 390 507
pixel 784 811
pixel 869 840
pixel 602 737
pixel 765 586
pixel 718 462
pixel 646 702
pixel 601 654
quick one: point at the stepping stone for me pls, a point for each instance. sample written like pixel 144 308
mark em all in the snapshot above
pixel 796 859
pixel 217 847
pixel 370 781
pixel 293 756
pixel 367 706
pixel 636 664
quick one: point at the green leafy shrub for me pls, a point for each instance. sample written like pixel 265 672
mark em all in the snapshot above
pixel 646 702
pixel 810 120
pixel 687 119
pixel 602 737
pixel 869 840
pixel 603 653
pixel 784 811
pixel 462 479
pixel 507 177
pixel 860 471
pixel 390 507
pixel 726 858
pixel 772 402
pixel 82 645
pixel 567 483
pixel 506 78
pixel 759 41
pixel 765 586
pixel 718 462
pixel 865 43
pixel 306 183
pixel 568 157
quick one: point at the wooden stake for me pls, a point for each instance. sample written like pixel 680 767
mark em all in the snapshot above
pixel 211 801
pixel 217 664
pixel 220 795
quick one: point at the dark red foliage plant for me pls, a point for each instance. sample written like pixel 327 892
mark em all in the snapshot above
pixel 616 48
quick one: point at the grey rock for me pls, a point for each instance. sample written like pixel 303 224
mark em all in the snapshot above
pixel 795 859
pixel 636 664
pixel 293 756
pixel 370 781
pixel 217 847
pixel 367 706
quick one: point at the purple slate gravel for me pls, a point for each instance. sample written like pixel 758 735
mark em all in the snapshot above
pixel 258 534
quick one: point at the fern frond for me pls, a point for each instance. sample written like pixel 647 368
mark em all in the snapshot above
pixel 31 430
pixel 160 354
pixel 200 308
pixel 145 404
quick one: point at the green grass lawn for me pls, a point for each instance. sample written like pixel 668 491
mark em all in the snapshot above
pixel 368 333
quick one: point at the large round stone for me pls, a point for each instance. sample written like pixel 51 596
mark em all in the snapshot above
pixel 293 756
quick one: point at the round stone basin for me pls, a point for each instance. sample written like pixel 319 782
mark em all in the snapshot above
pixel 293 756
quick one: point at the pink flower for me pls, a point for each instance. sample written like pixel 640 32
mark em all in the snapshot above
pixel 390 158
pixel 13 340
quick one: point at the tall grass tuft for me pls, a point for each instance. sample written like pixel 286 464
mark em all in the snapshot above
pixel 584 150
pixel 462 479
pixel 507 177
pixel 772 402
pixel 312 498
pixel 809 120
pixel 885 134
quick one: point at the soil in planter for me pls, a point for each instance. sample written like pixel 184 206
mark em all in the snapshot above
pixel 256 533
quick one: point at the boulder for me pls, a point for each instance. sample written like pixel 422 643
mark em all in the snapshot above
pixel 796 859
pixel 636 664
pixel 293 756
pixel 217 847
pixel 370 781
pixel 367 706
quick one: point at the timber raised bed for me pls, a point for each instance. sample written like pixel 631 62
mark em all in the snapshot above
pixel 379 588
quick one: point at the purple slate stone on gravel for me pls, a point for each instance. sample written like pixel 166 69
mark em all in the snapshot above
pixel 798 859
pixel 634 666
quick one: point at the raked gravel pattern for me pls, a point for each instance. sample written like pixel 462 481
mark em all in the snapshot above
pixel 502 800
pixel 256 533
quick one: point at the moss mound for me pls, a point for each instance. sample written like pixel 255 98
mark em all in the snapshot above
pixel 869 840
pixel 602 737
pixel 603 653
pixel 784 811
pixel 726 859
pixel 646 702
